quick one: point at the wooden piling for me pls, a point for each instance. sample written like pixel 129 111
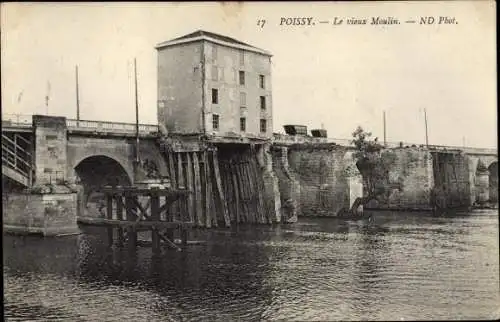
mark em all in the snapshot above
pixel 190 187
pixel 220 191
pixel 182 206
pixel 173 181
pixel 109 212
pixel 131 232
pixel 197 190
pixel 253 192
pixel 235 193
pixel 208 190
pixel 119 216
pixel 155 216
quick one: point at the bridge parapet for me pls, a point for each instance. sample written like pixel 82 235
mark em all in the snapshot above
pixel 115 127
pixel 14 122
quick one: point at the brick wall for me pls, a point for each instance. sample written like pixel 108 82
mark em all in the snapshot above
pixel 48 214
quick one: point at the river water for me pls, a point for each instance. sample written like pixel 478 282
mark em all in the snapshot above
pixel 398 266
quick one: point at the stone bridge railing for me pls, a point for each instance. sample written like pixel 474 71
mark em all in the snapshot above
pixel 115 127
pixel 301 139
pixel 25 121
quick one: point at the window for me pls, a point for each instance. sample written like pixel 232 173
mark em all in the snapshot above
pixel 243 124
pixel 242 77
pixel 215 96
pixel 215 122
pixel 262 82
pixel 242 57
pixel 262 102
pixel 215 73
pixel 263 125
pixel 243 99
pixel 214 52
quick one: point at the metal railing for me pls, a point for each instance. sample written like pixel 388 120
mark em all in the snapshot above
pixel 17 157
pixel 18 120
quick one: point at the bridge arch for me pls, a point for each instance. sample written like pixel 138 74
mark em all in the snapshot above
pixel 99 170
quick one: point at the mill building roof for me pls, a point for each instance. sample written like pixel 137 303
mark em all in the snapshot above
pixel 213 37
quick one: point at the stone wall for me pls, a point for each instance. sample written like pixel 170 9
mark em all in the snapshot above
pixel 50 149
pixel 410 180
pixel 47 214
pixel 452 183
pixel 322 178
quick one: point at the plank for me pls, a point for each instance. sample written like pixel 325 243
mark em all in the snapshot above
pixel 131 232
pixel 197 190
pixel 155 216
pixel 251 197
pixel 109 213
pixel 182 207
pixel 235 193
pixel 242 185
pixel 189 184
pixel 220 191
pixel 91 221
pixel 119 216
pixel 173 181
pixel 208 191
pixel 259 187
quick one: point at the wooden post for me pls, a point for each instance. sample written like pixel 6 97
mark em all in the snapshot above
pixel 253 189
pixel 208 191
pixel 182 203
pixel 189 179
pixel 109 212
pixel 155 216
pixel 197 188
pixel 171 166
pixel 119 216
pixel 242 185
pixel 218 181
pixel 131 232
pixel 236 193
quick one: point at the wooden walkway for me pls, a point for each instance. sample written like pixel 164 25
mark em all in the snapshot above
pixel 129 209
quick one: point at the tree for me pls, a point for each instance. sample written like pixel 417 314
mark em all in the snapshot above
pixel 373 164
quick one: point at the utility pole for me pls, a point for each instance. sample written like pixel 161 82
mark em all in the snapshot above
pixel 426 132
pixel 77 98
pixel 385 136
pixel 136 117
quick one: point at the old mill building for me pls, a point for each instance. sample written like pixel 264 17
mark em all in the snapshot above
pixel 214 85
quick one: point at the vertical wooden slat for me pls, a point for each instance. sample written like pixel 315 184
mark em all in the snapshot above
pixel 236 192
pixel 197 189
pixel 242 185
pixel 189 182
pixel 155 216
pixel 119 216
pixel 182 206
pixel 260 191
pixel 131 232
pixel 208 191
pixel 252 191
pixel 220 191
pixel 109 213
pixel 173 181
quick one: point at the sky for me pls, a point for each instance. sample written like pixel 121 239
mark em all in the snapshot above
pixel 324 75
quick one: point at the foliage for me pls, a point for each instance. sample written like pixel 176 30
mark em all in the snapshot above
pixel 373 164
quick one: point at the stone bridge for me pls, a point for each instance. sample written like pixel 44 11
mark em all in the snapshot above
pixel 88 152
pixel 95 153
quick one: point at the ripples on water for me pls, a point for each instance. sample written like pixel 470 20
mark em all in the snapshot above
pixel 399 266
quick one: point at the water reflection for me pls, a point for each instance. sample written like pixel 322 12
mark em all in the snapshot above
pixel 395 266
